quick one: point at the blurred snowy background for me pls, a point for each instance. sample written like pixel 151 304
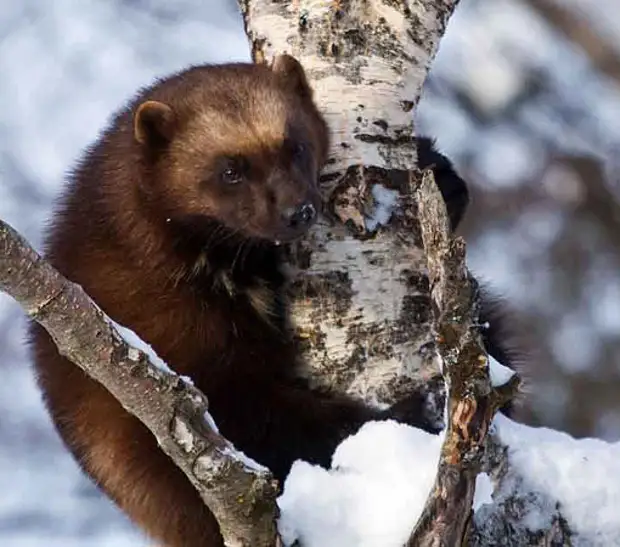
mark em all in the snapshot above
pixel 524 96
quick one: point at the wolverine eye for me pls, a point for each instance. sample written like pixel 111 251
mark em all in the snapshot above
pixel 299 150
pixel 233 170
pixel 231 176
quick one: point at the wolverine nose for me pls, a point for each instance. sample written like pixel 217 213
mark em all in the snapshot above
pixel 300 216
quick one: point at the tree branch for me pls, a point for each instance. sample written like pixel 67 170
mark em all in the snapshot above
pixel 238 491
pixel 471 400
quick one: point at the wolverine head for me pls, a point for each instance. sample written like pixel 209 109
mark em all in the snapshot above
pixel 238 146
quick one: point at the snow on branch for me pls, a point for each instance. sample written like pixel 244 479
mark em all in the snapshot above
pixel 471 399
pixel 238 491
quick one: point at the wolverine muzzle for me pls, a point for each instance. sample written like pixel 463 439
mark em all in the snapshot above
pixel 301 216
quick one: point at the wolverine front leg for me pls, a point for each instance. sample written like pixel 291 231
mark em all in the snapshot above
pixel 279 423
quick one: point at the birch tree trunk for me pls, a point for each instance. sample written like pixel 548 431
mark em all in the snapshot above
pixel 360 301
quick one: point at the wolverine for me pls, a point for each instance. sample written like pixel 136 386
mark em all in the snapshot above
pixel 172 222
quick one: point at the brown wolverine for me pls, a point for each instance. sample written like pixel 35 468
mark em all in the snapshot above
pixel 171 223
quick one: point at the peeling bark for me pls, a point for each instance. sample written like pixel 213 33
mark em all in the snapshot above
pixel 471 400
pixel 360 302
pixel 239 492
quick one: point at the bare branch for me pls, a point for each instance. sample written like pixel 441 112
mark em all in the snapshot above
pixel 238 491
pixel 472 402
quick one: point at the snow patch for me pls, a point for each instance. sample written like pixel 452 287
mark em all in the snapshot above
pixel 248 462
pixel 483 494
pixel 210 422
pixel 136 343
pixel 372 495
pixel 582 475
pixel 187 380
pixel 380 478
pixel 386 201
pixel 498 373
pixel 213 466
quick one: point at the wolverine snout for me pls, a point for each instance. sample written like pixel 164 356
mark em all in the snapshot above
pixel 301 216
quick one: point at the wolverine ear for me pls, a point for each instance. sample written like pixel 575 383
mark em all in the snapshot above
pixel 292 74
pixel 154 123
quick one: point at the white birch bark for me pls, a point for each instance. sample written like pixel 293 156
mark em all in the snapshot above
pixel 362 303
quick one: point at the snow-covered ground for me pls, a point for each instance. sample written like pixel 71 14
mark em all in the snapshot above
pixel 65 66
